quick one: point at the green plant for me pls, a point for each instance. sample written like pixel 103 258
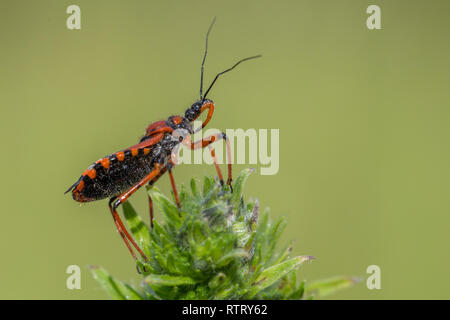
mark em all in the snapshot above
pixel 220 248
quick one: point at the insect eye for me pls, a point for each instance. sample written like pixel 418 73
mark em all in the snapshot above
pixel 190 115
pixel 196 107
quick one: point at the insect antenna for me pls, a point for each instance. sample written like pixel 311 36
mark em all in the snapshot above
pixel 229 69
pixel 204 57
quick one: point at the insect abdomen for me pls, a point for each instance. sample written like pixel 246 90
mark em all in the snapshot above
pixel 114 174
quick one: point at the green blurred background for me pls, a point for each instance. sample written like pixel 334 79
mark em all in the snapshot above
pixel 363 118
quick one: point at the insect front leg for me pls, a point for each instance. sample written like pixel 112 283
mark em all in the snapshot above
pixel 206 142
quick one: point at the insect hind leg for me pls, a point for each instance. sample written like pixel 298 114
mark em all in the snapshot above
pixel 119 228
pixel 117 201
pixel 174 188
pixel 150 201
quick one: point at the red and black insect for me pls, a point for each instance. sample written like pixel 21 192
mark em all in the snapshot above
pixel 121 174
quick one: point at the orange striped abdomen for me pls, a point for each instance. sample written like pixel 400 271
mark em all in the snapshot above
pixel 114 174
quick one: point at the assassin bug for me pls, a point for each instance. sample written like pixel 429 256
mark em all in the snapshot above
pixel 121 174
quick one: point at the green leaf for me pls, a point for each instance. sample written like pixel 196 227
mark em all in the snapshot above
pixel 329 286
pixel 116 289
pixel 208 184
pixel 236 254
pixel 194 187
pixel 167 207
pixel 298 293
pixel 273 236
pixel 272 274
pixel 138 228
pixel 242 232
pixel 217 280
pixel 238 187
pixel 221 247
pixel 167 280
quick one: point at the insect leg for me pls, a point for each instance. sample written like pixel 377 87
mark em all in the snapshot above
pixel 123 197
pixel 205 142
pixel 210 107
pixel 174 188
pixel 119 228
pixel 150 201
pixel 150 208
pixel 172 181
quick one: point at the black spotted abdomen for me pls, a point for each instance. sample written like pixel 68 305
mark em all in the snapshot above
pixel 114 174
